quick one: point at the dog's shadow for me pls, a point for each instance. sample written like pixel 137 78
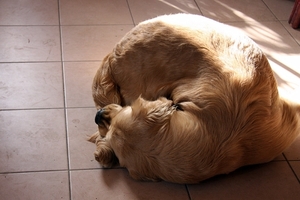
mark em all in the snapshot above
pixel 251 180
pixel 119 181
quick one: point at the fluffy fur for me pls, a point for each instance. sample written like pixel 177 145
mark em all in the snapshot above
pixel 184 98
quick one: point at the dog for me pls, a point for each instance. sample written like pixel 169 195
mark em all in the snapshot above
pixel 183 98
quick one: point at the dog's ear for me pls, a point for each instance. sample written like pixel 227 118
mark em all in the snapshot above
pixel 105 90
pixel 105 154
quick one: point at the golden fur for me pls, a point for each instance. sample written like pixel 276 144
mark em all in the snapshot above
pixel 185 98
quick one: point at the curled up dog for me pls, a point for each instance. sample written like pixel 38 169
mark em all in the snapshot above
pixel 183 98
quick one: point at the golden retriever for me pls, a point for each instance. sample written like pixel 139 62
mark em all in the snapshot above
pixel 182 98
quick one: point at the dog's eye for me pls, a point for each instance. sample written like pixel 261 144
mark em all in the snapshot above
pixel 178 107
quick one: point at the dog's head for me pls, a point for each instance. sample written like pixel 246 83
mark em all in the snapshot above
pixel 125 126
pixel 140 113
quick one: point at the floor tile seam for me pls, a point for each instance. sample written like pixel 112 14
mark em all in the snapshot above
pixel 82 61
pixel 46 62
pixel 275 161
pixel 28 25
pixel 29 109
pixel 56 25
pixel 198 7
pixel 30 62
pixel 84 107
pixel 293 171
pixel 64 93
pixel 248 21
pixel 293 160
pixel 44 108
pixel 269 9
pixel 80 25
pixel 97 168
pixel 281 22
pixel 131 15
pixel 33 171
pixel 188 191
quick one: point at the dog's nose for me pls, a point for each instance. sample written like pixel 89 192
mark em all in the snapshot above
pixel 98 117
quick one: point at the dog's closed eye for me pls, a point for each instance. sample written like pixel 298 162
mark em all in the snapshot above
pixel 178 107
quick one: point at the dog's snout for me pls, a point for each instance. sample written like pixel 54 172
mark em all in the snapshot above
pixel 98 117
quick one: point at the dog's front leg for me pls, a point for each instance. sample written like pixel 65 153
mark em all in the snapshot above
pixel 104 154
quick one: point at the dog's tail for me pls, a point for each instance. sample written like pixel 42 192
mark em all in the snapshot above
pixel 291 113
pixel 105 90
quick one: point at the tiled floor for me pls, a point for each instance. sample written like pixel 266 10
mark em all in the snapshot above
pixel 49 53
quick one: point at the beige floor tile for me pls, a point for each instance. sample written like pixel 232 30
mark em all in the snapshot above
pixel 94 12
pixel 274 180
pixel 296 167
pixel 81 125
pixel 29 12
pixel 293 152
pixel 29 43
pixel 280 8
pixel 294 32
pixel 116 184
pixel 84 43
pixel 79 78
pixel 144 9
pixel 32 140
pixel 271 36
pixel 42 185
pixel 31 85
pixel 232 10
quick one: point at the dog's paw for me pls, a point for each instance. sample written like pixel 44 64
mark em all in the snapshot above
pixel 105 155
pixel 94 138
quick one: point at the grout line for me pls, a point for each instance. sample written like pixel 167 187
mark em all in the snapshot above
pixel 21 25
pixel 291 167
pixel 34 171
pixel 281 22
pixel 96 25
pixel 188 191
pixel 98 168
pixel 24 109
pixel 56 25
pixel 79 107
pixel 64 99
pixel 26 62
pixel 37 62
pixel 59 170
pixel 270 10
pixel 198 8
pixel 54 108
pixel 130 13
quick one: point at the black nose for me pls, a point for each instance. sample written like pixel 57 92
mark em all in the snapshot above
pixel 98 117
